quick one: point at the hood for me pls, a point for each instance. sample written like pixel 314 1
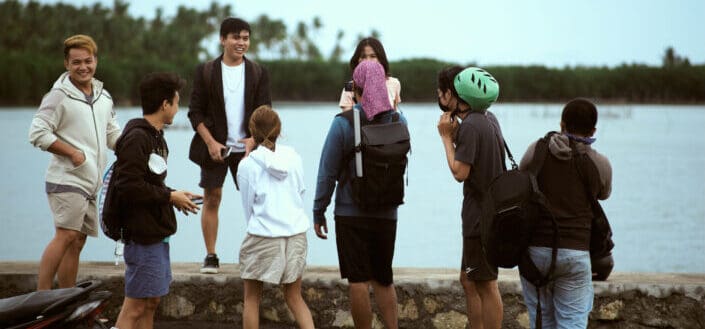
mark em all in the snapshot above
pixel 65 84
pixel 137 123
pixel 559 145
pixel 277 163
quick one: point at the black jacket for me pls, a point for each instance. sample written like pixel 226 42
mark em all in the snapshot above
pixel 208 105
pixel 145 211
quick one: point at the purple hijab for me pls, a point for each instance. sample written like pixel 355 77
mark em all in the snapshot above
pixel 370 76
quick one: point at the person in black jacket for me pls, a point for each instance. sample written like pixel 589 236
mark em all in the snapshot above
pixel 225 92
pixel 145 202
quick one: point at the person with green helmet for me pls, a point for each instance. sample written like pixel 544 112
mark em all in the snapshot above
pixel 474 150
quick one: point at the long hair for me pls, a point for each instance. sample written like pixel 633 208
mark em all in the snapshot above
pixel 265 126
pixel 376 45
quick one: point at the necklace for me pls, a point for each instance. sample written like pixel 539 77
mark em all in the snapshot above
pixel 234 81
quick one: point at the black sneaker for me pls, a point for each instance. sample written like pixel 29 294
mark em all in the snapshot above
pixel 210 264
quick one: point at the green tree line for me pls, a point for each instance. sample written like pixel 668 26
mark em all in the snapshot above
pixel 31 59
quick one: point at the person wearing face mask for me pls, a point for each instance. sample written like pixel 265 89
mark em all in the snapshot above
pixel 370 49
pixel 474 148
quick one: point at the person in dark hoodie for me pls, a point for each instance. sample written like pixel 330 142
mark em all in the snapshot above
pixel 567 300
pixel 146 202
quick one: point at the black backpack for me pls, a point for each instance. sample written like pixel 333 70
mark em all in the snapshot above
pixel 381 159
pixel 512 205
pixel 108 208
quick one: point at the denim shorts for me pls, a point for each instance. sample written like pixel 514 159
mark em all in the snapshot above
pixel 147 270
pixel 567 300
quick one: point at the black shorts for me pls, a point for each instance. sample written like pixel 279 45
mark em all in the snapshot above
pixel 474 262
pixel 365 248
pixel 214 177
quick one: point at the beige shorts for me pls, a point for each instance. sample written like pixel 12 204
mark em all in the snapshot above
pixel 74 212
pixel 273 260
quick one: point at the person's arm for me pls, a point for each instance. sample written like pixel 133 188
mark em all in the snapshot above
pixel 132 168
pixel 214 147
pixel 263 96
pixel 113 131
pixel 247 193
pixel 346 102
pixel 197 113
pixel 45 122
pixel 395 90
pixel 605 174
pixel 528 157
pixel 60 148
pixel 329 167
pixel 447 129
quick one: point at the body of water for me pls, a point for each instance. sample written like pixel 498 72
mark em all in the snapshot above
pixel 657 206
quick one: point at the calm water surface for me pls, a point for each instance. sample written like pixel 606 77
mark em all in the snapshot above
pixel 657 207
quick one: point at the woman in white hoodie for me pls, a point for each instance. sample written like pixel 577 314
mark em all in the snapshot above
pixel 274 250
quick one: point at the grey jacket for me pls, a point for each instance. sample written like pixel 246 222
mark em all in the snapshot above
pixel 66 115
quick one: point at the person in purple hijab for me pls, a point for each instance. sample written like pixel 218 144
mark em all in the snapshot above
pixel 365 238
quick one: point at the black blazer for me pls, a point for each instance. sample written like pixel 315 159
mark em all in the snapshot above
pixel 208 106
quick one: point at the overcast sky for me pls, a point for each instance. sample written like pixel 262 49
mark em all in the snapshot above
pixel 545 32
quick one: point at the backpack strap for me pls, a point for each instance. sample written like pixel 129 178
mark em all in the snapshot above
pixel 357 147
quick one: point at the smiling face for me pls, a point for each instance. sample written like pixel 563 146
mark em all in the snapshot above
pixel 171 109
pixel 81 65
pixel 235 45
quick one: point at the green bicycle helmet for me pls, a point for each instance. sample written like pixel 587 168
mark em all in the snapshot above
pixel 476 87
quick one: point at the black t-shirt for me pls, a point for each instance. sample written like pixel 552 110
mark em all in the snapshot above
pixel 480 144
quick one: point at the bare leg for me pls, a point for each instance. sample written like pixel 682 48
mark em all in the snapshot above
pixel 137 313
pixel 473 301
pixel 386 298
pixel 253 295
pixel 68 268
pixel 297 305
pixel 209 217
pixel 360 305
pixel 492 309
pixel 53 255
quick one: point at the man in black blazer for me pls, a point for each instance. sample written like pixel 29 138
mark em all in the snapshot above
pixel 225 92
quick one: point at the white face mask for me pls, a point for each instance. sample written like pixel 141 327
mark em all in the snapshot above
pixel 156 164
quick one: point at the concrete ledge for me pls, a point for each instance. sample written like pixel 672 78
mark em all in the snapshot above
pixel 427 298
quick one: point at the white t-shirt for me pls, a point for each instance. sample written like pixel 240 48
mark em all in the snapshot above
pixel 234 97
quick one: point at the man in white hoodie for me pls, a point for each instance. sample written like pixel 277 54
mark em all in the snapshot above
pixel 76 123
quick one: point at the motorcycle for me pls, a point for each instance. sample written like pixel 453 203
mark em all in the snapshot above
pixel 76 307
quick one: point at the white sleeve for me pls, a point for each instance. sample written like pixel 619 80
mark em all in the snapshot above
pixel 247 192
pixel 45 121
pixel 346 101
pixel 113 130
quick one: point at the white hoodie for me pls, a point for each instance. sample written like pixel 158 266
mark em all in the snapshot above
pixel 272 188
pixel 90 127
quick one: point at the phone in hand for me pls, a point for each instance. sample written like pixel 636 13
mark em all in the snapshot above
pixel 225 152
pixel 198 200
